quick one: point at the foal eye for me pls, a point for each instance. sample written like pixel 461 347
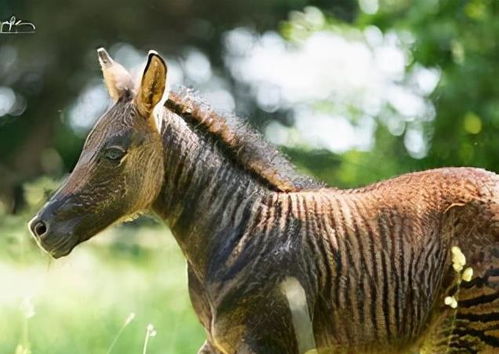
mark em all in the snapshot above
pixel 114 153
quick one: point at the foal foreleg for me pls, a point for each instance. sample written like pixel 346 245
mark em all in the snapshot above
pixel 207 348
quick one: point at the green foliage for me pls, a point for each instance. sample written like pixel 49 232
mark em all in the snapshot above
pixel 460 39
pixel 457 38
pixel 81 302
pixel 78 304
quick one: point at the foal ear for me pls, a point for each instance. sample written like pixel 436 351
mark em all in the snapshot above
pixel 153 84
pixel 118 81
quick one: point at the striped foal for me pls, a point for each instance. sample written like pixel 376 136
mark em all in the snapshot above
pixel 279 263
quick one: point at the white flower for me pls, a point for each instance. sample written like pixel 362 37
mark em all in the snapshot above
pixel 130 318
pixel 467 274
pixel 27 307
pixel 451 301
pixel 457 267
pixel 21 349
pixel 458 259
pixel 151 331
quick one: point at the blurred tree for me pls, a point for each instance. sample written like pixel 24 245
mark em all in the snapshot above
pixel 47 70
pixel 461 39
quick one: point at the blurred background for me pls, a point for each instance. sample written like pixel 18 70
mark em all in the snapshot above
pixel 352 91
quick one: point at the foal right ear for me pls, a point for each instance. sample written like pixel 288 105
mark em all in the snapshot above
pixel 153 84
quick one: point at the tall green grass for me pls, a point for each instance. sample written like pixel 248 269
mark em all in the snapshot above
pixel 79 304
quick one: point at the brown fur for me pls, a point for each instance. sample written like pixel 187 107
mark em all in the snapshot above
pixel 373 265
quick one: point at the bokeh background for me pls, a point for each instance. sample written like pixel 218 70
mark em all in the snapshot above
pixel 352 91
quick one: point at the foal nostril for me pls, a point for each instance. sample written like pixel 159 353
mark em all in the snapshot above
pixel 39 228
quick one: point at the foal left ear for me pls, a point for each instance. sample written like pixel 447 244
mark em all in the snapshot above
pixel 153 84
pixel 117 79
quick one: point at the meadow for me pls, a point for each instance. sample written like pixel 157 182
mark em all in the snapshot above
pixel 110 288
pixel 353 91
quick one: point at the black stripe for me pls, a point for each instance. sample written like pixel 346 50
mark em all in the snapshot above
pixel 462 345
pixel 386 277
pixel 339 264
pixel 489 340
pixel 260 240
pixel 424 273
pixel 373 278
pixel 412 319
pixel 403 281
pixel 479 300
pixel 323 247
pixel 361 295
pixel 315 234
pixel 482 317
pixel 396 272
pixel 310 267
pixel 348 290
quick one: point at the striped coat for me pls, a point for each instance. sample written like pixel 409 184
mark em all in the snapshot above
pixel 372 267
pixel 278 263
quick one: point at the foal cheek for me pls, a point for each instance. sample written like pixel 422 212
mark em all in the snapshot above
pixel 147 179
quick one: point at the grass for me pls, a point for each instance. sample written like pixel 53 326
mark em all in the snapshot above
pixel 81 303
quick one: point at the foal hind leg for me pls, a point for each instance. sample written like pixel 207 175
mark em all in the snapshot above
pixel 476 325
pixel 470 325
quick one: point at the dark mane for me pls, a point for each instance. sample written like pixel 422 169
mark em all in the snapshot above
pixel 243 145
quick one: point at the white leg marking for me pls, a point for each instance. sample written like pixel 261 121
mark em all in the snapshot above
pixel 302 323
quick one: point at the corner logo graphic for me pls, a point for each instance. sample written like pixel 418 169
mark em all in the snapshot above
pixel 16 26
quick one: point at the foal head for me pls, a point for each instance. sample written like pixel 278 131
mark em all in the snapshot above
pixel 120 170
